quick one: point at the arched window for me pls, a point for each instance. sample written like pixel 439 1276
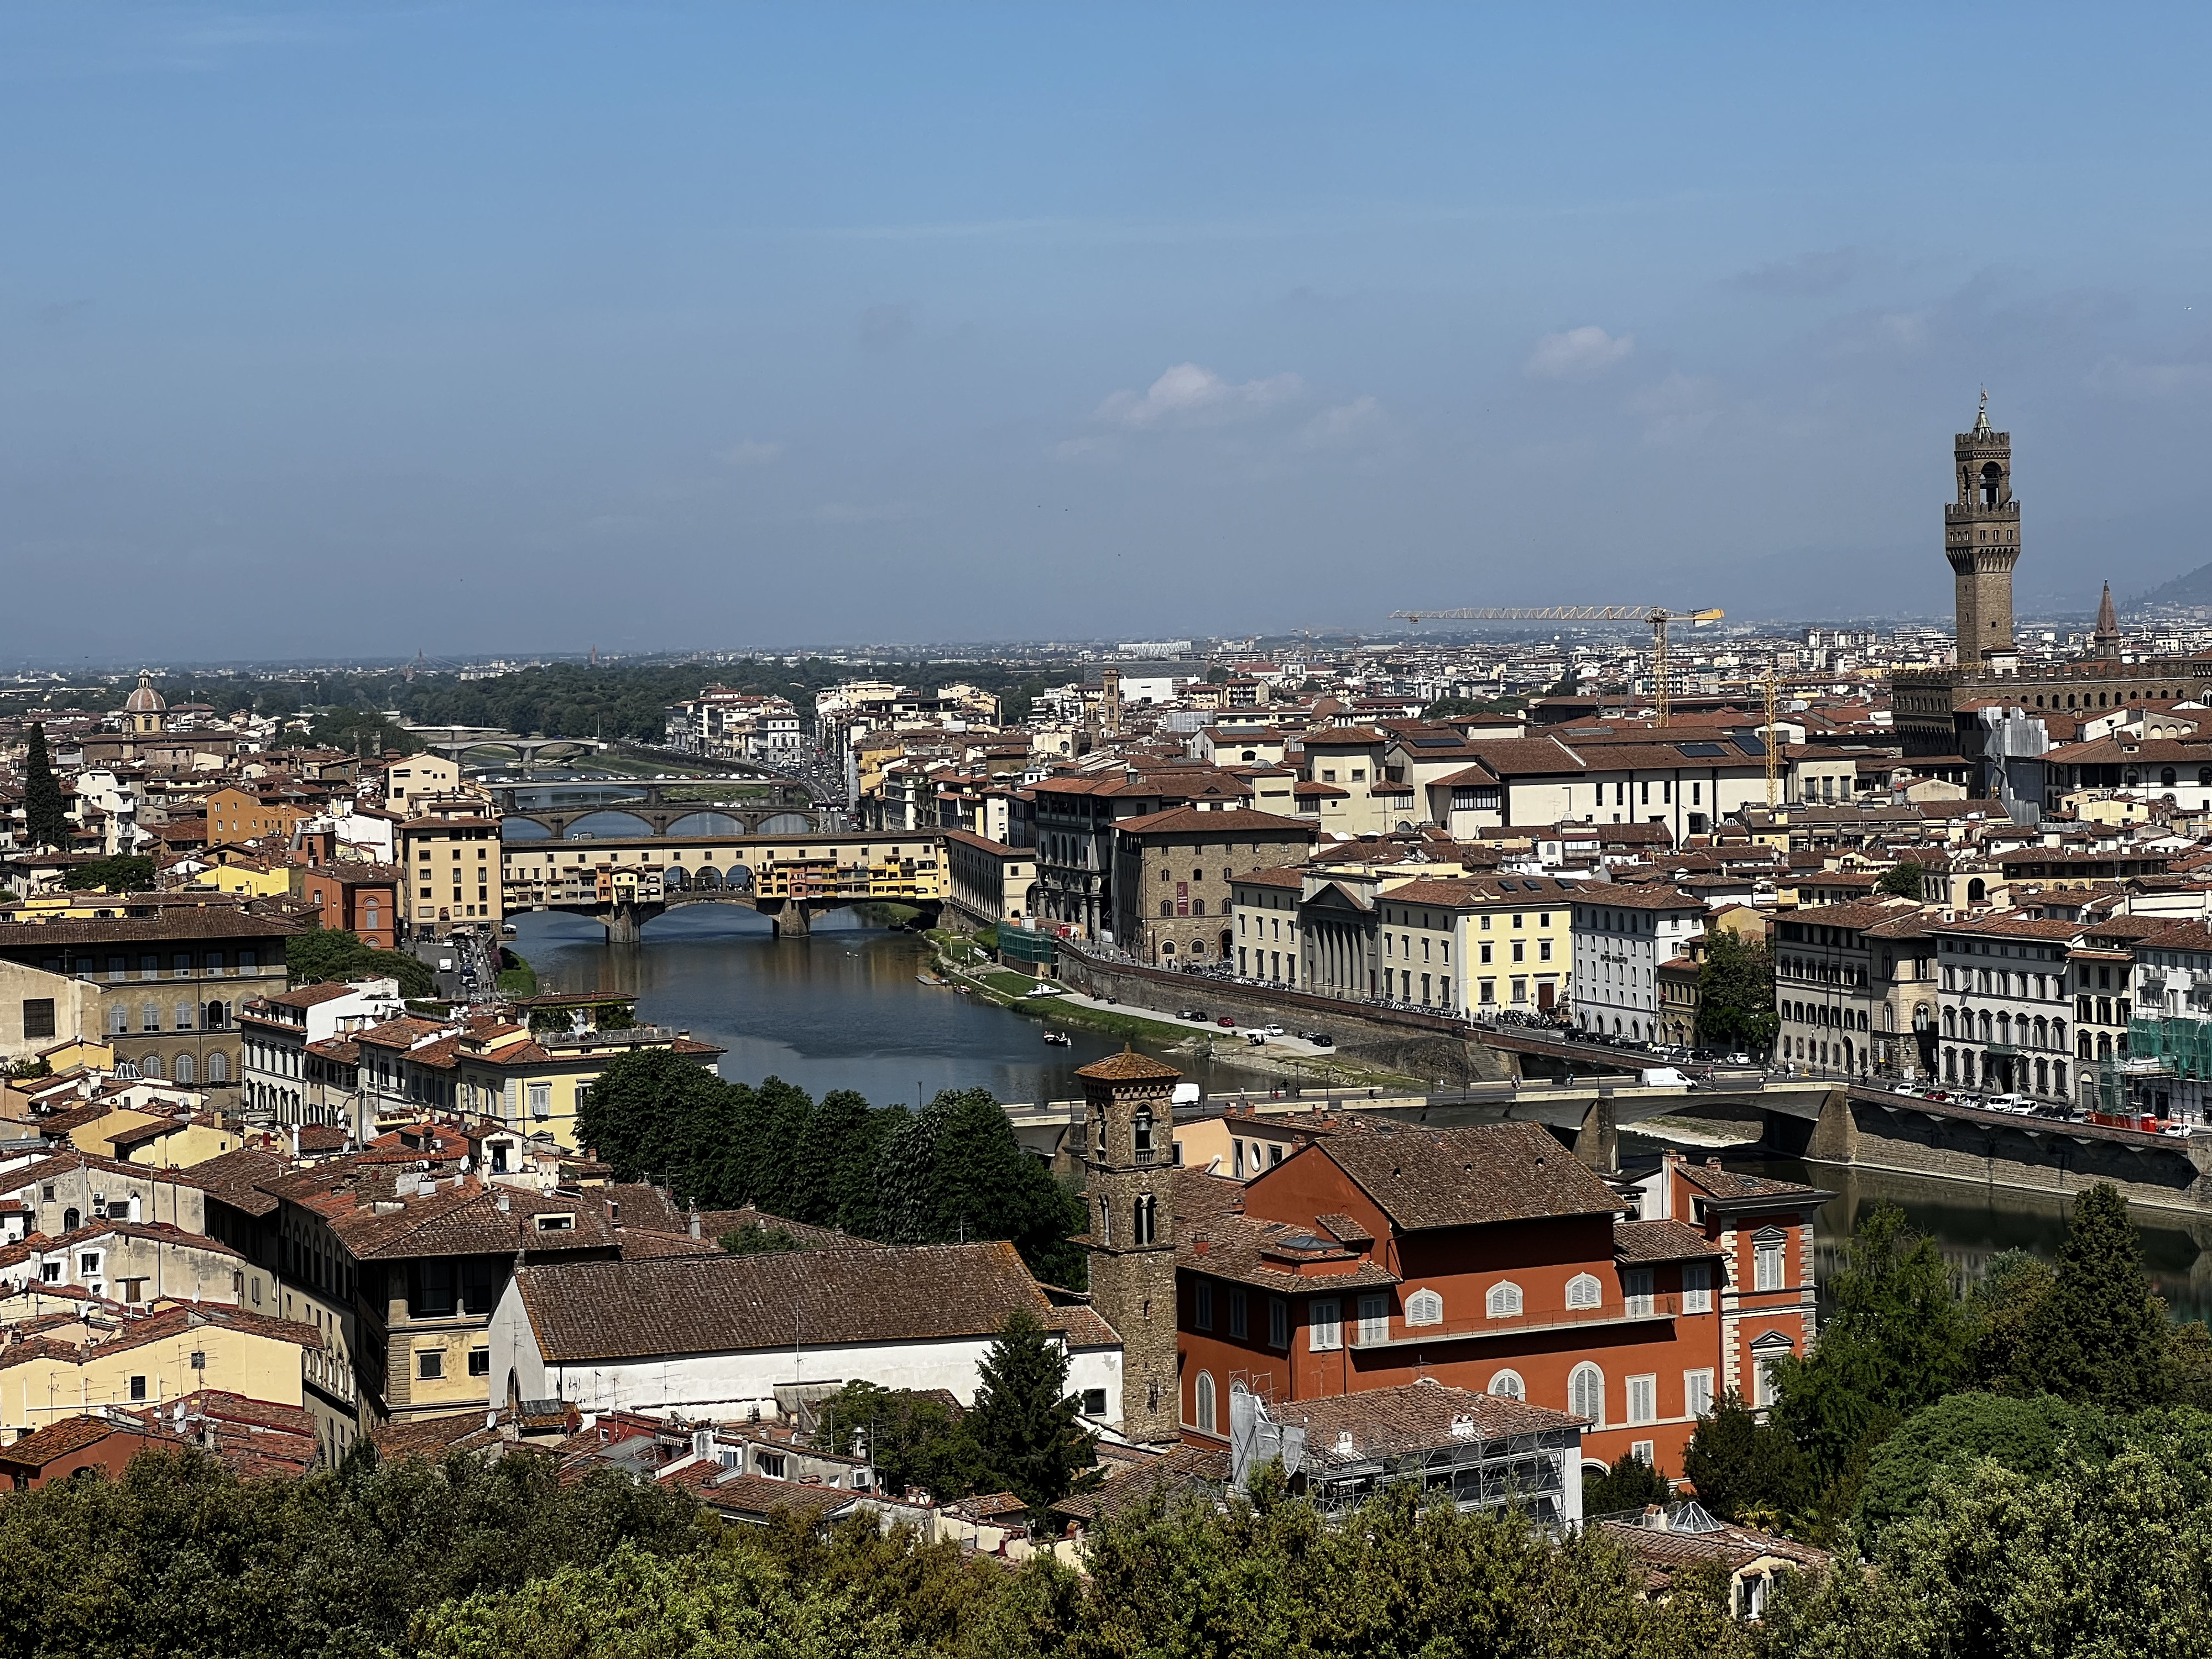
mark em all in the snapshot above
pixel 2082 1046
pixel 1982 1021
pixel 218 1067
pixel 1167 907
pixel 1424 1308
pixel 2104 1045
pixel 149 1066
pixel 1950 1066
pixel 1504 1301
pixel 1950 1023
pixel 2058 1034
pixel 1976 891
pixel 1584 1291
pixel 1201 1402
pixel 1143 1219
pixel 183 1071
pixel 69 1221
pixel 1507 1385
pixel 2166 775
pixel 1586 1394
pixel 369 917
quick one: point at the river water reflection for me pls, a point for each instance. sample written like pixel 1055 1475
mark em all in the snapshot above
pixel 841 1010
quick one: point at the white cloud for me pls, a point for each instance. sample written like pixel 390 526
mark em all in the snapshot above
pixel 1586 350
pixel 1347 424
pixel 752 452
pixel 1188 395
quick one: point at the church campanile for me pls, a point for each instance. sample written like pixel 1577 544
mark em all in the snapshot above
pixel 1981 538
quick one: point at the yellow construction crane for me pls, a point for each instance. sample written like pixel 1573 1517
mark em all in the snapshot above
pixel 1773 668
pixel 1658 616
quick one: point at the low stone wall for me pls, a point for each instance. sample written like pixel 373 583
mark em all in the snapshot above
pixel 2152 1171
pixel 1398 1040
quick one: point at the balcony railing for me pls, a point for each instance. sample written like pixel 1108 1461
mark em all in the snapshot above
pixel 1616 1312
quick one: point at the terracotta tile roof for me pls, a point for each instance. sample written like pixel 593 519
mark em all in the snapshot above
pixel 1427 1179
pixel 610 1310
pixel 1222 824
pixel 1657 897
pixel 1732 1547
pixel 71 1434
pixel 201 921
pixel 1729 1186
pixel 1180 1469
pixel 756 1497
pixel 1128 1066
pixel 712 1224
pixel 1267 1255
pixel 1661 1241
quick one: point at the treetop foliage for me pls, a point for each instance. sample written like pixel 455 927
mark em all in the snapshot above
pixel 333 956
pixel 1736 993
pixel 952 1173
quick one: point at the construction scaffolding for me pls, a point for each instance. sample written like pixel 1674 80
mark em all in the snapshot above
pixel 1537 1472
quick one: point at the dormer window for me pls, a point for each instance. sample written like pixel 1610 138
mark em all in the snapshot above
pixel 563 1222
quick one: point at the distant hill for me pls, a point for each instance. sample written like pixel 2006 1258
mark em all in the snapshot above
pixel 2195 588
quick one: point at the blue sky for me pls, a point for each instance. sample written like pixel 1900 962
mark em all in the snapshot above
pixel 358 329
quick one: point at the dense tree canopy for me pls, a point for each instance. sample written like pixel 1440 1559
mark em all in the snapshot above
pixel 950 1173
pixel 331 956
pixel 1736 993
pixel 123 873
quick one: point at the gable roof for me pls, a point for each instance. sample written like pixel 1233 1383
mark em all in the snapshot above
pixel 638 1309
pixel 1429 1179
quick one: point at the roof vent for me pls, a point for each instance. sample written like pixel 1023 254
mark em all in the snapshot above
pixel 1463 1427
pixel 1344 1441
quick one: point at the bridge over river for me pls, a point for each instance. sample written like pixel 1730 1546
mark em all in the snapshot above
pixel 790 878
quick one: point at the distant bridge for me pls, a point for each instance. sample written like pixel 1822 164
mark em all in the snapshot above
pixel 789 878
pixel 785 809
pixel 455 741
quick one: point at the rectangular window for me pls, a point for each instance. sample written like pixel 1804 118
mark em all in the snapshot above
pixel 1697 1394
pixel 1236 1312
pixel 1279 1323
pixel 1323 1323
pixel 1635 1290
pixel 1766 1264
pixel 1374 1319
pixel 1201 1306
pixel 1643 1398
pixel 479 1362
pixel 1697 1287
pixel 138 1388
pixel 430 1364
pixel 37 1017
pixel 541 1100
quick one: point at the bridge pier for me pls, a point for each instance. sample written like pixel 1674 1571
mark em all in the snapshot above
pixel 625 923
pixel 793 921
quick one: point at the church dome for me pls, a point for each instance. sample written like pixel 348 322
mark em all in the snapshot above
pixel 146 700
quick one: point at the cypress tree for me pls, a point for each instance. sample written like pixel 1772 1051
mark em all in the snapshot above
pixel 46 819
pixel 1025 1419
pixel 2100 1337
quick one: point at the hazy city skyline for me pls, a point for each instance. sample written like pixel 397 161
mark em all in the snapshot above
pixel 345 331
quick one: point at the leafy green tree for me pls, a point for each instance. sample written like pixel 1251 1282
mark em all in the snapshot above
pixel 1743 1468
pixel 123 873
pixel 914 1440
pixel 653 1114
pixel 1902 878
pixel 2025 1435
pixel 1896 1342
pixel 1736 993
pixel 1630 1484
pixel 955 1172
pixel 1024 1421
pixel 2101 1335
pixel 839 1118
pixel 2000 1310
pixel 45 818
pixel 331 956
pixel 754 1239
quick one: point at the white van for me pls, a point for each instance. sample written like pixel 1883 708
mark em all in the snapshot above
pixel 1662 1077
pixel 1186 1094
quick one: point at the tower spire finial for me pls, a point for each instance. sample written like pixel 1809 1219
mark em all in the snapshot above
pixel 1981 414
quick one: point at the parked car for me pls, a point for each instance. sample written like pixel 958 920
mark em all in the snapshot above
pixel 1271 1030
pixel 1229 1020
pixel 1191 1013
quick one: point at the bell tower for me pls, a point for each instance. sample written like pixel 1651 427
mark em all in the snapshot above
pixel 1981 539
pixel 1129 1164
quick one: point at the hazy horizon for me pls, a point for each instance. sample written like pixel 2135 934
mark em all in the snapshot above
pixel 344 331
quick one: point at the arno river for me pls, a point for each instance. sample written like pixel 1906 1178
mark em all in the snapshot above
pixel 843 1009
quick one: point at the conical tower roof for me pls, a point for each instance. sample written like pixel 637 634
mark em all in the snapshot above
pixel 2108 622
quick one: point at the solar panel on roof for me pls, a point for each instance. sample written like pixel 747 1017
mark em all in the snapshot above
pixel 1752 745
pixel 1700 750
pixel 1437 743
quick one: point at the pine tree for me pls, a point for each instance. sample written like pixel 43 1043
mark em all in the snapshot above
pixel 1025 1419
pixel 2100 1337
pixel 45 818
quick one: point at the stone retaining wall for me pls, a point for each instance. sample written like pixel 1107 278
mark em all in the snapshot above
pixel 2150 1171
pixel 1399 1040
